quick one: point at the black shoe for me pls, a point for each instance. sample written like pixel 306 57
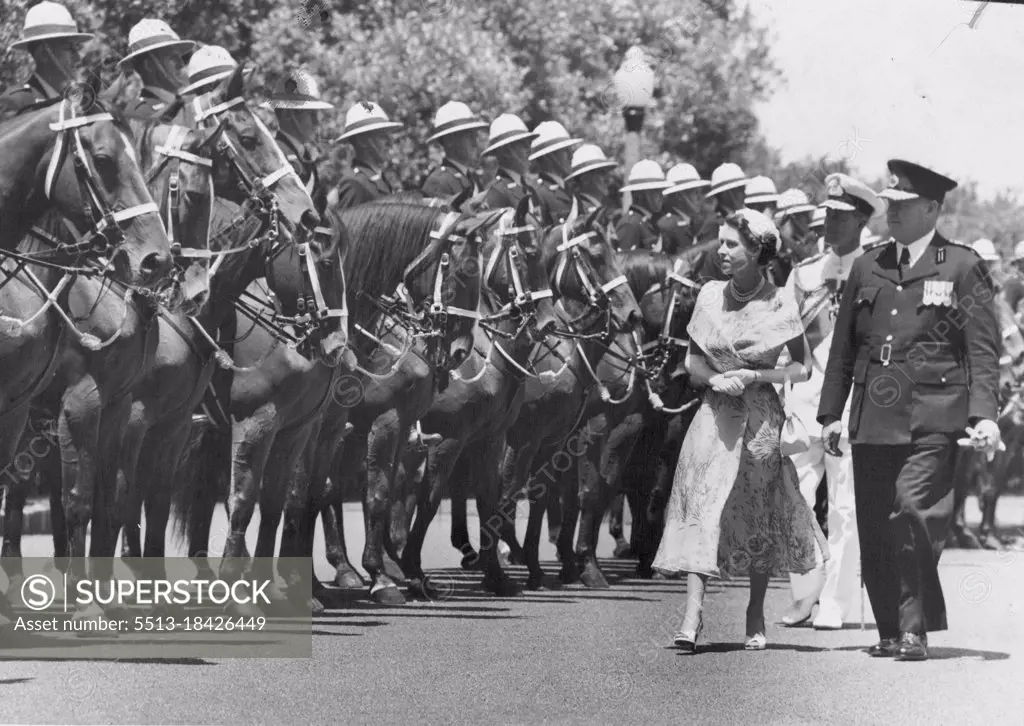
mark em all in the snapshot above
pixel 885 648
pixel 913 647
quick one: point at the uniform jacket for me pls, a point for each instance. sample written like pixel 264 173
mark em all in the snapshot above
pixel 505 191
pixel 360 185
pixel 303 158
pixel 816 284
pixel 707 266
pixel 555 201
pixel 637 230
pixel 156 104
pixel 921 353
pixel 676 232
pixel 587 204
pixel 16 100
pixel 447 180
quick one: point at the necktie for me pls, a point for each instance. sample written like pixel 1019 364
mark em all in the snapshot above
pixel 904 261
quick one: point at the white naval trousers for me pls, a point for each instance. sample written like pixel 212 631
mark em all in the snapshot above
pixel 841 593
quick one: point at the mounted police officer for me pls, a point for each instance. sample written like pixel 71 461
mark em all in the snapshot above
pixel 157 54
pixel 509 143
pixel 761 196
pixel 793 219
pixel 683 209
pixel 589 180
pixel 367 129
pixel 638 228
pixel 917 339
pixel 457 130
pixel 818 226
pixel 727 194
pixel 207 67
pixel 297 104
pixel 51 36
pixel 552 161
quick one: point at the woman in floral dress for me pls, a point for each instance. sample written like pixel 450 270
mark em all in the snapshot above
pixel 736 507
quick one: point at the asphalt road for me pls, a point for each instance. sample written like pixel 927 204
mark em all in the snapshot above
pixel 565 656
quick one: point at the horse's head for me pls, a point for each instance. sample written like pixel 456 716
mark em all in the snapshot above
pixel 92 176
pixel 514 270
pixel 250 164
pixel 585 274
pixel 446 277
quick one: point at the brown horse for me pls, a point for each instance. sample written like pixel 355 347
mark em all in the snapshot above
pixel 474 412
pixel 597 312
pixel 403 358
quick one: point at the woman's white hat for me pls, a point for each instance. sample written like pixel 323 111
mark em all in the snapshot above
pixel 725 177
pixel 761 190
pixel 151 34
pixel 297 91
pixel 760 224
pixel 645 174
pixel 683 178
pixel 366 117
pixel 587 158
pixel 48 21
pixel 452 118
pixel 551 136
pixel 207 67
pixel 506 129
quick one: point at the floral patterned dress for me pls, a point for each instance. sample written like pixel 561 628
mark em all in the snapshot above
pixel 736 502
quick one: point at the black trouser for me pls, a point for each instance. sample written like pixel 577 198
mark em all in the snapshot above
pixel 904 499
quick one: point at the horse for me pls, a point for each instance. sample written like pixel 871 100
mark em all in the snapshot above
pixel 125 244
pixel 484 397
pixel 596 312
pixel 404 359
pixel 667 296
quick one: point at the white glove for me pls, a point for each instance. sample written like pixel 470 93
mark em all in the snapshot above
pixel 985 437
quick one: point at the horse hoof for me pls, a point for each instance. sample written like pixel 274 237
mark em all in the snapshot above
pixel 393 570
pixel 315 606
pixel 349 580
pixel 593 578
pixel 470 562
pixel 535 582
pixel 658 576
pixel 502 587
pixel 623 551
pixel 644 572
pixel 388 596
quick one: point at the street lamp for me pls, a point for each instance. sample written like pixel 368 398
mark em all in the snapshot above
pixel 634 86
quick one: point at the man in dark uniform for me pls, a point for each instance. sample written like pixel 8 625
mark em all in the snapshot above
pixel 157 54
pixel 297 105
pixel 551 157
pixel 727 195
pixel 509 143
pixel 917 338
pixel 51 36
pixel 638 228
pixel 367 128
pixel 457 130
pixel 589 182
pixel 680 224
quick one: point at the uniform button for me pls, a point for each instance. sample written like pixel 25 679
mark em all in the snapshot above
pixel 894 311
pixel 899 288
pixel 943 379
pixel 888 337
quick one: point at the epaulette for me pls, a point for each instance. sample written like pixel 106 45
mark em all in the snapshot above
pixel 965 246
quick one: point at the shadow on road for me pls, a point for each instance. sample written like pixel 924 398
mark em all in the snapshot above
pixel 946 653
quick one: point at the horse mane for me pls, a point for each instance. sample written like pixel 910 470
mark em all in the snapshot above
pixel 644 268
pixel 383 237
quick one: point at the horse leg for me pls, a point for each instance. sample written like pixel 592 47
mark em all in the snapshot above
pixel 159 469
pixel 460 526
pixel 134 485
pixel 15 481
pixel 251 441
pixel 516 469
pixel 567 487
pixel 484 470
pixel 616 515
pixel 441 462
pixel 382 450
pixel 344 463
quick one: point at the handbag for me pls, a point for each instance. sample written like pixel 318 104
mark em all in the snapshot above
pixel 795 439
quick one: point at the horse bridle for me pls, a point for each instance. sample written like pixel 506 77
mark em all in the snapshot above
pixel 522 304
pixel 313 311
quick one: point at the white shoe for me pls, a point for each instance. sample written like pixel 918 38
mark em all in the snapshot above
pixel 829 617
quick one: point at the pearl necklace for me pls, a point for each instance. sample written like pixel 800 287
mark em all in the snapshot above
pixel 745 296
